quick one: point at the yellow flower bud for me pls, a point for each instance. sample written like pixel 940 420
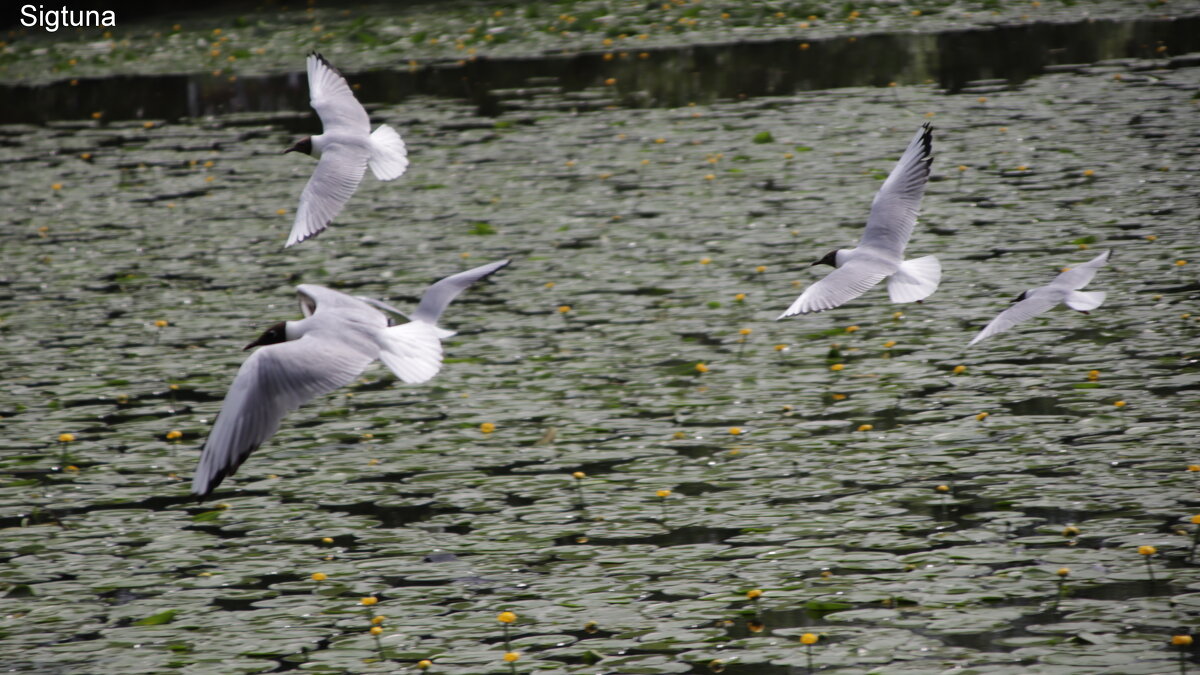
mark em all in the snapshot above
pixel 663 494
pixel 367 602
pixel 376 630
pixel 1181 640
pixel 579 475
pixel 319 576
pixel 837 367
pixel 808 639
pixel 1147 550
pixel 960 369
pixel 506 617
pixel 66 438
pixel 701 368
pixel 487 427
pixel 754 594
pixel 512 657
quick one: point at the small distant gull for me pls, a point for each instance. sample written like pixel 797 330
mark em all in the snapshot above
pixel 338 338
pixel 345 149
pixel 880 253
pixel 1064 289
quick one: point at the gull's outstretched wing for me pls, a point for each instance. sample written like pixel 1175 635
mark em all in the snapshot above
pixel 275 380
pixel 894 210
pixel 838 287
pixel 1035 302
pixel 440 293
pixel 332 184
pixel 330 96
pixel 1074 278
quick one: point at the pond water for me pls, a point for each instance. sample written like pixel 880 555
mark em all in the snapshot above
pixel 875 505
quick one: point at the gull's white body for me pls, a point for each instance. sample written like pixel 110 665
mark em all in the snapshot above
pixel 339 336
pixel 880 253
pixel 345 150
pixel 1063 289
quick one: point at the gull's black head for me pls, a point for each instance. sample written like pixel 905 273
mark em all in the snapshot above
pixel 274 335
pixel 1019 297
pixel 829 259
pixel 303 145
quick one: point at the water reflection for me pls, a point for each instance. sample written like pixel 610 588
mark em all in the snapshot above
pixel 670 76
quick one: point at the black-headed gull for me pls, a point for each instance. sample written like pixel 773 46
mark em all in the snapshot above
pixel 345 150
pixel 299 360
pixel 880 253
pixel 1064 289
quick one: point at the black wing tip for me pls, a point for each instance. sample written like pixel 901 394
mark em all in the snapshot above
pixel 503 263
pixel 927 141
pixel 325 62
pixel 224 472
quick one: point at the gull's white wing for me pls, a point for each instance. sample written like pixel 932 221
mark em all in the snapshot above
pixel 838 287
pixel 275 380
pixel 1077 277
pixel 321 298
pixel 379 304
pixel 894 210
pixel 1036 301
pixel 332 184
pixel 330 96
pixel 440 293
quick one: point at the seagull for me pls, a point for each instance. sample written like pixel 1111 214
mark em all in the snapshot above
pixel 880 253
pixel 1064 289
pixel 345 149
pixel 339 336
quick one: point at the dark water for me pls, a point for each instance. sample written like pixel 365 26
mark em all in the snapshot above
pixel 667 76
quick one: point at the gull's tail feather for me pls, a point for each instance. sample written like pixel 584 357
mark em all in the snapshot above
pixel 1084 301
pixel 916 279
pixel 389 156
pixel 413 351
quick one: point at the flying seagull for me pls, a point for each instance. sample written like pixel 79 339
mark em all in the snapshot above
pixel 880 253
pixel 339 336
pixel 1064 289
pixel 345 150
